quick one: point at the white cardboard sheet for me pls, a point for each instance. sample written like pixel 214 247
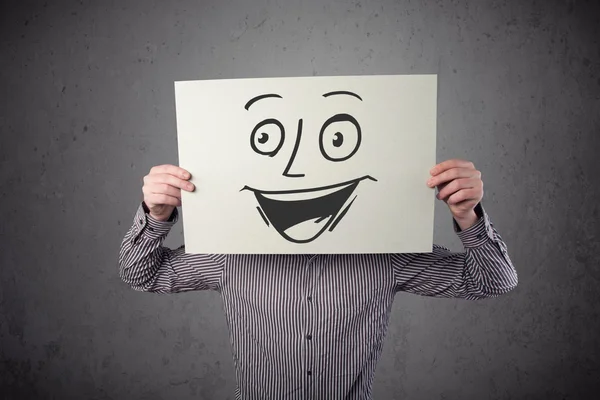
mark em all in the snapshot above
pixel 308 165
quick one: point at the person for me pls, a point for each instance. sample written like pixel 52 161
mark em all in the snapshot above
pixel 313 326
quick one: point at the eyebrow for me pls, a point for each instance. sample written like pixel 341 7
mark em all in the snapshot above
pixel 342 92
pixel 260 97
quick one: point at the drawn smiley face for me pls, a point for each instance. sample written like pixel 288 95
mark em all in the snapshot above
pixel 302 215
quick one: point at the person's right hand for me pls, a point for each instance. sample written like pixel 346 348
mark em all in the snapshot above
pixel 162 189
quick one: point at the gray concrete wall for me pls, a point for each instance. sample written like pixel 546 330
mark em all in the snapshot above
pixel 88 108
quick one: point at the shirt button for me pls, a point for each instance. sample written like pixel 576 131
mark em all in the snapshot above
pixel 309 298
pixel 309 337
pixel 309 373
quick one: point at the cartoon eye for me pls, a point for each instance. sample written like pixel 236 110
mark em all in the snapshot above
pixel 267 137
pixel 340 137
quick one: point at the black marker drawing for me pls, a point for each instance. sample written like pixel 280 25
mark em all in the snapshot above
pixel 329 135
pixel 321 207
pixel 286 171
pixel 272 135
pixel 262 96
pixel 342 92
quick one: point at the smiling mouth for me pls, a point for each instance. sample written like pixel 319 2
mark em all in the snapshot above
pixel 302 215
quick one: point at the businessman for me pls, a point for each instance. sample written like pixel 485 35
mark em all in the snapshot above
pixel 313 326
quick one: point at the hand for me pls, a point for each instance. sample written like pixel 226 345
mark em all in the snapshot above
pixel 460 187
pixel 162 189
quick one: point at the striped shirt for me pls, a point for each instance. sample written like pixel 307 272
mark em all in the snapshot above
pixel 313 326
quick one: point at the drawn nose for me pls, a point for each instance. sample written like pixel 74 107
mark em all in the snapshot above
pixel 287 172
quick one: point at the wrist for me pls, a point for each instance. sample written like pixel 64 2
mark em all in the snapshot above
pixel 161 218
pixel 466 221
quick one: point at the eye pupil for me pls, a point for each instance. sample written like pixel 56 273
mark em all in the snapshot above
pixel 267 137
pixel 338 139
pixel 263 138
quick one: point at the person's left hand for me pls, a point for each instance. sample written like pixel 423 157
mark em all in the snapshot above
pixel 460 187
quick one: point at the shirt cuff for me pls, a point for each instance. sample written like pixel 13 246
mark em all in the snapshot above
pixel 478 234
pixel 151 228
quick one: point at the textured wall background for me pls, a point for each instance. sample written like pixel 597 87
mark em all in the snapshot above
pixel 88 107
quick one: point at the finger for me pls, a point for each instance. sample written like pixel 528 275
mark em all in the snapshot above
pixel 462 196
pixel 172 170
pixel 449 164
pixel 170 180
pixel 451 174
pixel 162 188
pixel 456 185
pixel 162 199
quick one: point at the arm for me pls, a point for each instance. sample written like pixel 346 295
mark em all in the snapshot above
pixel 483 270
pixel 146 265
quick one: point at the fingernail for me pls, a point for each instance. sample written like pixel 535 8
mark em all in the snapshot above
pixel 185 175
pixel 430 183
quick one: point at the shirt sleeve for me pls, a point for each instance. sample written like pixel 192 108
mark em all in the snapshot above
pixel 483 270
pixel 146 265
